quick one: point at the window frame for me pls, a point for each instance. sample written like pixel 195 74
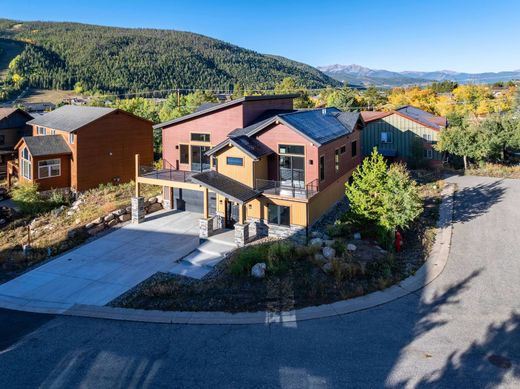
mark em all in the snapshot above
pixel 389 137
pixel 41 130
pixel 203 135
pixel 26 164
pixel 343 149
pixel 187 154
pixel 49 168
pixel 241 159
pixel 279 213
pixel 290 147
pixel 428 153
pixel 428 137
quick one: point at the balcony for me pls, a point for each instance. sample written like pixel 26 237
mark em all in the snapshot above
pixel 167 172
pixel 287 189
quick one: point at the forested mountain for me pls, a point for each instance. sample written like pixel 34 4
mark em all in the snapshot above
pixel 108 59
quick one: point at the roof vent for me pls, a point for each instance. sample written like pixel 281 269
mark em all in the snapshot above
pixel 324 111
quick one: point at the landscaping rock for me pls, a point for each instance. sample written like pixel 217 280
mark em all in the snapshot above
pixel 316 242
pixel 89 225
pixel 2 222
pixel 327 268
pixel 319 258
pixel 258 270
pixel 155 207
pixel 128 209
pixel 37 223
pixel 328 252
pixel 96 230
pixel 58 211
pixel 325 236
pixel 99 220
pixel 71 233
pixel 316 234
pixel 77 203
pixel 124 218
pixel 77 221
pixel 119 212
pixel 152 200
pixel 351 247
pixel 357 236
pixel 112 223
pixel 70 212
pixel 160 199
pixel 109 217
pixel 329 242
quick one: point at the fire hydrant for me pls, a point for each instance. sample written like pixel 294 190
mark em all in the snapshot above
pixel 398 241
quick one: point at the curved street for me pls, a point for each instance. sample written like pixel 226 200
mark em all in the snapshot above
pixel 462 330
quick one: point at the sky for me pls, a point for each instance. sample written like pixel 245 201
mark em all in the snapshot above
pixel 422 35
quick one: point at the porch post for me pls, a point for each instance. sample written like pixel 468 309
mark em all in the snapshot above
pixel 206 203
pixel 137 163
pixel 241 213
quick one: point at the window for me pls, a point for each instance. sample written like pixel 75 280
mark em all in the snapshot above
pixel 40 130
pixel 279 215
pixel 184 154
pixel 291 149
pixel 336 160
pixel 235 161
pixel 26 164
pixel 428 153
pixel 354 148
pixel 49 168
pixel 428 137
pixel 343 149
pixel 196 137
pixel 2 139
pixel 71 138
pixel 322 168
pixel 52 132
pixel 386 137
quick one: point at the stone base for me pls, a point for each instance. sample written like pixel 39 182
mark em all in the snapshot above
pixel 257 228
pixel 219 222
pixel 241 234
pixel 205 228
pixel 293 232
pixel 138 210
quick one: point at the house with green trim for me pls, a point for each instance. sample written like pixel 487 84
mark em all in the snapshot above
pixel 397 134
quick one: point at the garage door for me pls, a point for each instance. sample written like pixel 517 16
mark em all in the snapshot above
pixel 193 201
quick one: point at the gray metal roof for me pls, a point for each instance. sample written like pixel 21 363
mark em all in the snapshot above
pixel 224 105
pixel 71 117
pixel 430 120
pixel 46 145
pixel 251 146
pixel 221 184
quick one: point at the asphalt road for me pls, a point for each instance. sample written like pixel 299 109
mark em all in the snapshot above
pixel 460 331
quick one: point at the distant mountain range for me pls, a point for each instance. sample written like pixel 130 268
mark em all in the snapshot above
pixel 360 75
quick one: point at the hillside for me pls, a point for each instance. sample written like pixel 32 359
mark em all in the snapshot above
pixel 8 50
pixel 357 74
pixel 123 60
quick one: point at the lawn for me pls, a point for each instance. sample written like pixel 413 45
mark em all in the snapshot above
pixel 50 231
pixel 296 275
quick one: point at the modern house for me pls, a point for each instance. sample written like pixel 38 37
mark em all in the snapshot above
pixel 79 147
pixel 257 165
pixel 393 133
pixel 13 126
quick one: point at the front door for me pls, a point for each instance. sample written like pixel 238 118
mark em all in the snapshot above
pixel 231 214
pixel 199 159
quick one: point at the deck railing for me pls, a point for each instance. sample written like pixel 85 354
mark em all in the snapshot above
pixel 167 172
pixel 283 188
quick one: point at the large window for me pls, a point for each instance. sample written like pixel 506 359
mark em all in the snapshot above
pixel 291 149
pixel 184 154
pixel 196 137
pixel 49 168
pixel 26 164
pixel 292 165
pixel 354 149
pixel 322 168
pixel 279 215
pixel 40 130
pixel 235 161
pixel 386 137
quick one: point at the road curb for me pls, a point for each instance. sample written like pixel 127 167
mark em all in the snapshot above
pixel 432 268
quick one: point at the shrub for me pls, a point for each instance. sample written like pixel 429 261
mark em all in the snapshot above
pixel 339 229
pixel 339 247
pixel 381 269
pixel 278 255
pixel 247 257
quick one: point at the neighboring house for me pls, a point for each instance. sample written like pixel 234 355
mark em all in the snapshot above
pixel 257 165
pixel 13 126
pixel 394 132
pixel 80 147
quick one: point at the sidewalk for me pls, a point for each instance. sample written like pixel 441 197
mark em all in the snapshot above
pixel 425 275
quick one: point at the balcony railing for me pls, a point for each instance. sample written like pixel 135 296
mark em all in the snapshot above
pixel 167 172
pixel 288 189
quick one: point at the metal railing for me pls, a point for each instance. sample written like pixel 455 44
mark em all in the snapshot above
pixel 288 189
pixel 167 172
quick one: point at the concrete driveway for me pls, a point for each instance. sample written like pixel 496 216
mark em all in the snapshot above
pixel 100 271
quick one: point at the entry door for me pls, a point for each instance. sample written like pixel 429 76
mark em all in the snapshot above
pixel 231 214
pixel 200 162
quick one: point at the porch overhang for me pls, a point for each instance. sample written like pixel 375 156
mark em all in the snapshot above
pixel 225 186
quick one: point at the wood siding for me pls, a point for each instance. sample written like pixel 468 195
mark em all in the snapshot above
pixel 244 173
pixel 403 132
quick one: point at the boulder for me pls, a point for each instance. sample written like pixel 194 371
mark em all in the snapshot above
pixel 89 225
pixel 128 209
pixel 77 203
pixel 112 222
pixel 37 223
pixel 119 212
pixel 152 200
pixel 97 229
pixel 58 211
pixel 357 236
pixel 316 242
pixel 2 222
pixel 155 207
pixel 71 233
pixel 77 221
pixel 99 220
pixel 124 218
pixel 70 212
pixel 328 252
pixel 258 270
pixel 351 247
pixel 109 217
pixel 327 268
pixel 329 242
pixel 160 199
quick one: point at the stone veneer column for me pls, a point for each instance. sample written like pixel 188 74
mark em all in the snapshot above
pixel 138 211
pixel 241 234
pixel 205 228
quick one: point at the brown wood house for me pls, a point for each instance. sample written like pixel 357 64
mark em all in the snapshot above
pixel 79 148
pixel 13 126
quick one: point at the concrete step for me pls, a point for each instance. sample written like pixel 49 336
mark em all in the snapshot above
pixel 200 258
pixel 215 248
pixel 226 238
pixel 188 270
